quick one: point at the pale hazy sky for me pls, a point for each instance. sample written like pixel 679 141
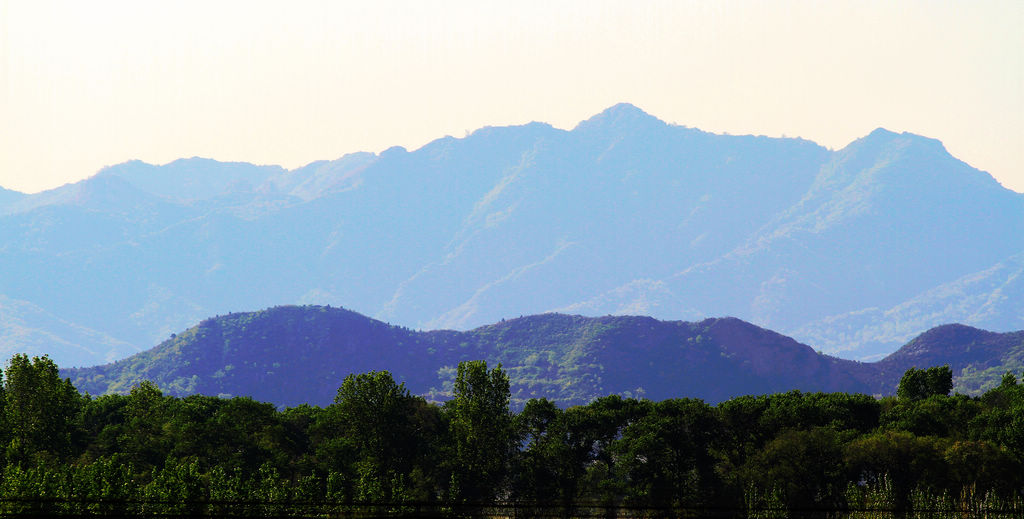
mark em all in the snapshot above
pixel 88 84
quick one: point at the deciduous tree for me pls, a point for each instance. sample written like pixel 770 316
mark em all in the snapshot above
pixel 481 431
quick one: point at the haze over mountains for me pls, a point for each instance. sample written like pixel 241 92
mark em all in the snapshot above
pixel 853 251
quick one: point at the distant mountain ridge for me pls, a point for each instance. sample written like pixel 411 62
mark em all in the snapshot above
pixel 295 355
pixel 854 251
pixel 8 197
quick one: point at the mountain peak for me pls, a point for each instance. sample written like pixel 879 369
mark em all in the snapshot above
pixel 625 108
pixel 881 133
pixel 108 193
pixel 977 357
pixel 883 137
pixel 951 333
pixel 194 178
pixel 948 341
pixel 126 165
pixel 621 116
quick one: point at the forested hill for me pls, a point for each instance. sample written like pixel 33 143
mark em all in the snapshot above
pixel 291 355
pixel 979 358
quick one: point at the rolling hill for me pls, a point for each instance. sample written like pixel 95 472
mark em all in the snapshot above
pixel 293 355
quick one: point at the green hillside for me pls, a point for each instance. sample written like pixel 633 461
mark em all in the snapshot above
pixel 291 355
pixel 979 358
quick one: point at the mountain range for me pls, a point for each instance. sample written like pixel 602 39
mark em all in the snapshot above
pixel 294 355
pixel 854 251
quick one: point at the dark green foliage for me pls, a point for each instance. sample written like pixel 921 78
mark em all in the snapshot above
pixel 388 434
pixel 983 464
pixel 665 457
pixel 39 410
pixel 380 451
pixel 936 415
pixel 752 421
pixel 482 437
pixel 899 458
pixel 1009 380
pixel 805 465
pixel 145 437
pixel 923 383
pixel 544 463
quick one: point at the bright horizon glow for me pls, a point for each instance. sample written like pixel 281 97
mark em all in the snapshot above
pixel 84 85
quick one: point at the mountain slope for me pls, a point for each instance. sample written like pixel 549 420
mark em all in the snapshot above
pixel 623 214
pixel 8 197
pixel 889 217
pixel 624 196
pixel 192 179
pixel 978 358
pixel 26 328
pixel 992 298
pixel 291 355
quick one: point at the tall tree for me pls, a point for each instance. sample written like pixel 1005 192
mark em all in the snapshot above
pixel 544 462
pixel 378 417
pixel 39 409
pixel 481 431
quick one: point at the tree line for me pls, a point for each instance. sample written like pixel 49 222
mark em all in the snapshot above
pixel 380 450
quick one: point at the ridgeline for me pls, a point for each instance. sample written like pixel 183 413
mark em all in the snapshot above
pixel 292 355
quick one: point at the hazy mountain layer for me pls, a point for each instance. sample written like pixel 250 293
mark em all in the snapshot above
pixel 24 326
pixel 991 299
pixel 853 251
pixel 294 355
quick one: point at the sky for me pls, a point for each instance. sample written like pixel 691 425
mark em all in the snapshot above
pixel 84 85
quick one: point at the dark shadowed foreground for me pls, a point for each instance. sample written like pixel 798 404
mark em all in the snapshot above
pixel 378 451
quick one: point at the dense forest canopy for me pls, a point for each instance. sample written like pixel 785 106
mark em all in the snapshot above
pixel 378 446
